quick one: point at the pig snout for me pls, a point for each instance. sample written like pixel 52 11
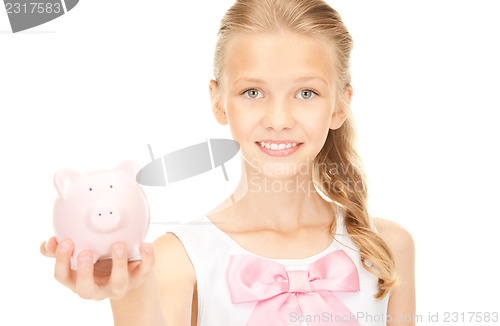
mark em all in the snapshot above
pixel 104 217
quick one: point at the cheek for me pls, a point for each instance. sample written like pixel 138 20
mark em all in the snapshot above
pixel 316 121
pixel 316 127
pixel 241 123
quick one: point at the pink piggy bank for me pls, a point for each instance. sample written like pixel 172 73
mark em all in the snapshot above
pixel 98 208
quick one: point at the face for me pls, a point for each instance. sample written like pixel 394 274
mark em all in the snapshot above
pixel 278 89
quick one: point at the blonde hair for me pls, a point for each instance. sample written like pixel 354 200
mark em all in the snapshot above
pixel 316 18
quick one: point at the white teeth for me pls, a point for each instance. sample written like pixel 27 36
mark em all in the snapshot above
pixel 277 147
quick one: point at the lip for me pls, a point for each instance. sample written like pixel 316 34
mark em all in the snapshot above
pixel 284 152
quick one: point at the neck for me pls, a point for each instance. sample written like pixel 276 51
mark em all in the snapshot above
pixel 280 203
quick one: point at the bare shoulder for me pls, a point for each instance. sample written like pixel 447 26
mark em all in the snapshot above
pixel 397 237
pixel 171 257
pixel 402 300
pixel 176 278
pixel 170 243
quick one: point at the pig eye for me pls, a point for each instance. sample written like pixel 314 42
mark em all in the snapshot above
pixel 90 189
pixel 111 186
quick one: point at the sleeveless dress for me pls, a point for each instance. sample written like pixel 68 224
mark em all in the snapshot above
pixel 210 249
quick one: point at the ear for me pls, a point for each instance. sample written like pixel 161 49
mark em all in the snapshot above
pixel 63 179
pixel 130 168
pixel 219 113
pixel 340 113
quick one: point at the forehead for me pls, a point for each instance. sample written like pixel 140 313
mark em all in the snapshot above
pixel 278 57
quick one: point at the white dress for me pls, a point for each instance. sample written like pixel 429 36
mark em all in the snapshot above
pixel 209 249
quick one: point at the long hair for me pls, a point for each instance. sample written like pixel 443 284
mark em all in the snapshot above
pixel 346 185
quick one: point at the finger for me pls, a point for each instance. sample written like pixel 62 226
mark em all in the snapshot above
pixel 85 276
pixel 62 269
pixel 48 248
pixel 43 248
pixel 147 264
pixel 118 282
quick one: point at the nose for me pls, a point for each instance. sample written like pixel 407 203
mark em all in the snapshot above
pixel 278 115
pixel 104 217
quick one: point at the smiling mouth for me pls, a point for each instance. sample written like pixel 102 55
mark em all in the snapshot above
pixel 278 146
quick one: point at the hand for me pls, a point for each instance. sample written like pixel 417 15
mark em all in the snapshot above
pixel 109 278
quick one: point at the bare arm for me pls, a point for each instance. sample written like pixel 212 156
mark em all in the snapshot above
pixel 140 306
pixel 155 291
pixel 166 297
pixel 177 279
pixel 402 302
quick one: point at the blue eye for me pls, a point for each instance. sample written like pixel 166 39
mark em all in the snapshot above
pixel 307 93
pixel 253 93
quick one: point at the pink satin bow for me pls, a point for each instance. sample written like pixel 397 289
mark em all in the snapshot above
pixel 288 297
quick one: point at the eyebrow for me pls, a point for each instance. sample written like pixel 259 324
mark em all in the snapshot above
pixel 303 78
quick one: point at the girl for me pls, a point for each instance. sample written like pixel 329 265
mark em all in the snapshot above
pixel 294 243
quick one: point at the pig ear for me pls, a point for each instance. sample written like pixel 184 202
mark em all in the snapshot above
pixel 130 168
pixel 63 179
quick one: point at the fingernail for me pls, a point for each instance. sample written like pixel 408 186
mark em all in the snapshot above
pixel 148 249
pixel 46 249
pixel 119 252
pixel 64 246
pixel 84 260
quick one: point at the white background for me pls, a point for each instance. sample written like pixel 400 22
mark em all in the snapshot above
pixel 95 86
